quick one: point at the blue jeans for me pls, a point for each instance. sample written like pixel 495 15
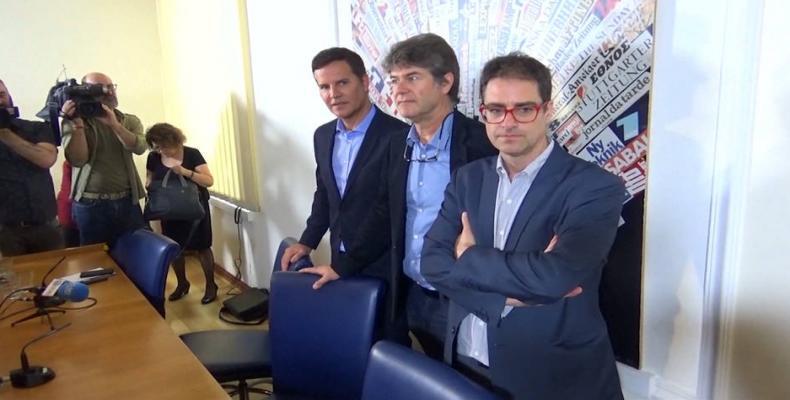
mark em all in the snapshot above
pixel 426 312
pixel 103 221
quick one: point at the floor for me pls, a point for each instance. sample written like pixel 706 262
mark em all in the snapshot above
pixel 188 315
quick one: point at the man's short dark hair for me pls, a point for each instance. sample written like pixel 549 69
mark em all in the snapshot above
pixel 517 65
pixel 332 54
pixel 429 51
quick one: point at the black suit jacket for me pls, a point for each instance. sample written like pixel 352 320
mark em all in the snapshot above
pixel 561 349
pixel 342 215
pixel 384 229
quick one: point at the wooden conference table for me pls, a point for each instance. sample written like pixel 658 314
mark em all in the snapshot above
pixel 119 349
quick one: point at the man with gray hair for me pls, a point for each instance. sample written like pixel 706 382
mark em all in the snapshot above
pixel 424 80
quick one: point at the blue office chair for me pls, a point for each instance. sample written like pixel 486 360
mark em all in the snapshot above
pixel 233 355
pixel 239 354
pixel 321 338
pixel 399 373
pixel 144 257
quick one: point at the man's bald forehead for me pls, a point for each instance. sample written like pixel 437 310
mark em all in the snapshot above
pixel 97 77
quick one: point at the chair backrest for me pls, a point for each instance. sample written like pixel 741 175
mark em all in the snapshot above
pixel 145 257
pixel 399 373
pixel 303 262
pixel 320 339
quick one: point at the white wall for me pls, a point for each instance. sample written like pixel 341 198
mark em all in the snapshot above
pixel 283 40
pixel 714 324
pixel 756 356
pixel 683 119
pixel 116 37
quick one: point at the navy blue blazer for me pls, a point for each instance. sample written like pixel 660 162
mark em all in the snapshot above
pixel 559 349
pixel 342 215
pixel 384 229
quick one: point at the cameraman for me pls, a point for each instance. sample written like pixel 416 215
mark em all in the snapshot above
pixel 27 196
pixel 106 188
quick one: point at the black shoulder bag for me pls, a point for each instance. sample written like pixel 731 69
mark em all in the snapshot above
pixel 168 200
pixel 250 307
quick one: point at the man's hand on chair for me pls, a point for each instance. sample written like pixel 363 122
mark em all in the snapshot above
pixel 326 273
pixel 292 254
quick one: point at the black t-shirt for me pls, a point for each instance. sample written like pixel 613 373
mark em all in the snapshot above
pixel 192 158
pixel 26 190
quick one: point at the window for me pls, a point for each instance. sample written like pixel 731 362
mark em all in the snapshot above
pixel 208 90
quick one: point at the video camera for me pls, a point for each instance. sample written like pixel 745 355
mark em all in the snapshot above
pixel 86 96
pixel 6 115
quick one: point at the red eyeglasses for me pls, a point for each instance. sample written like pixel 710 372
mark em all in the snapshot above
pixel 523 114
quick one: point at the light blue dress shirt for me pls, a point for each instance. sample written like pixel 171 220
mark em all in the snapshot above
pixel 345 150
pixel 473 332
pixel 425 187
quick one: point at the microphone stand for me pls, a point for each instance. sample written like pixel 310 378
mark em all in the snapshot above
pixel 43 303
pixel 29 376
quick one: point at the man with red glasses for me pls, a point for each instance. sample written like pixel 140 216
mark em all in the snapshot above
pixel 518 247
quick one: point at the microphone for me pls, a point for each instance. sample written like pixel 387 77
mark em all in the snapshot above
pixel 73 291
pixel 65 290
pixel 29 376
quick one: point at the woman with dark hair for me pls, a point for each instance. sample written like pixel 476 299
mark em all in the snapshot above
pixel 169 154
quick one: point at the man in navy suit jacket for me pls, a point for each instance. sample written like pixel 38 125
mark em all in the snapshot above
pixel 349 154
pixel 519 246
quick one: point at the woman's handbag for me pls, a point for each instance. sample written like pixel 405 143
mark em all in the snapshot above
pixel 168 200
